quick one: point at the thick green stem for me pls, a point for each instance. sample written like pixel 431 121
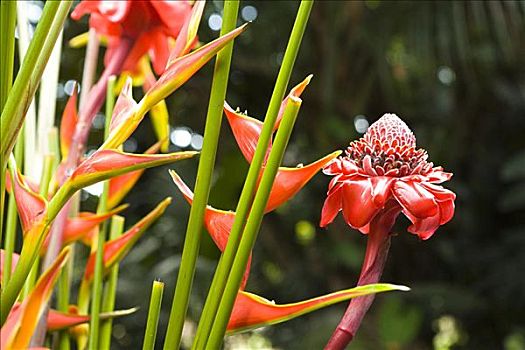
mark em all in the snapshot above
pixel 245 201
pixel 7 58
pixel 202 185
pixel 64 285
pixel 12 220
pixel 253 223
pixel 153 316
pixel 110 291
pixel 24 87
pixel 101 239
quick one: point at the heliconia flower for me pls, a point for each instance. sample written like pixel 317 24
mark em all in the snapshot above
pixel 119 186
pixel 149 24
pixel 104 164
pixel 17 330
pixel 384 165
pixel 247 130
pixel 57 320
pixel 176 74
pixel 68 123
pixel 218 223
pixel 116 249
pixel 182 68
pixel 252 311
pixel 14 261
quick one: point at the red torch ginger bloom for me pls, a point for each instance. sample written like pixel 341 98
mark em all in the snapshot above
pixel 385 166
pixel 149 24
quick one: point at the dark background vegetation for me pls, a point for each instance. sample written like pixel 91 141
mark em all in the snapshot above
pixel 455 72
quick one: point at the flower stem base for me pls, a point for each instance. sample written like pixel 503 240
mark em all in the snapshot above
pixel 373 265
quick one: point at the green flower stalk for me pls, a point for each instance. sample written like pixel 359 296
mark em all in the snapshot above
pixel 203 182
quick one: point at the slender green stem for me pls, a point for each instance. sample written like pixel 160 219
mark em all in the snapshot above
pixel 101 239
pixel 7 58
pixel 110 291
pixel 24 87
pixel 245 201
pixel 252 224
pixel 153 316
pixel 64 285
pixel 7 49
pixel 202 185
pixel 12 220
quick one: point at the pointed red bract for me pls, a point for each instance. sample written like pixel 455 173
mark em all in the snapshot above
pixel 31 206
pixel 57 320
pixel 187 37
pixel 289 181
pixel 116 249
pixel 80 226
pixel 181 69
pixel 68 123
pixel 124 106
pixel 22 320
pixel 218 223
pixel 104 164
pixel 252 311
pixel 247 130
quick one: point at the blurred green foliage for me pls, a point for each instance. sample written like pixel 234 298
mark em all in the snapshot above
pixel 455 72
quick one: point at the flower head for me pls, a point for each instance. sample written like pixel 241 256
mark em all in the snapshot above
pixel 384 166
pixel 150 24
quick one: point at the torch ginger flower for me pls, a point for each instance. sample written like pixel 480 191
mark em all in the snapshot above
pixel 382 175
pixel 385 165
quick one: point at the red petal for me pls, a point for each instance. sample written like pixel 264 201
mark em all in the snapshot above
pixel 68 123
pixel 381 186
pixel 358 205
pixel 246 131
pixel 331 207
pixel 173 13
pixel 159 50
pixel 290 180
pixel 415 199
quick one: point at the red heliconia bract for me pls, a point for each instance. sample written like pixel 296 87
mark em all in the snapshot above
pixel 247 130
pixel 149 24
pixel 381 175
